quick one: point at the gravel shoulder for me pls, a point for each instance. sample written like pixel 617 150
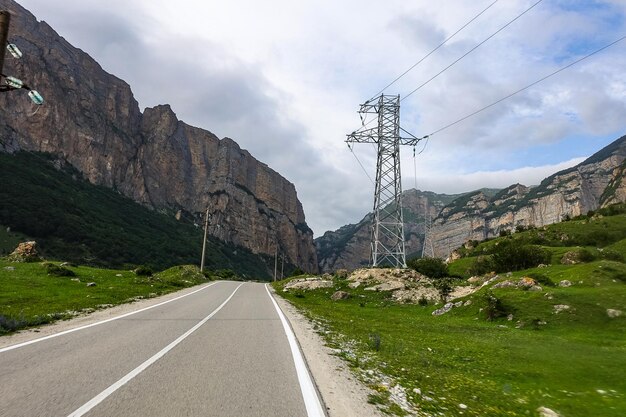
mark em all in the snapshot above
pixel 342 393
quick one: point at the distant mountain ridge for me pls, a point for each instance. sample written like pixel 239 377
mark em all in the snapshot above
pixel 596 182
pixel 92 121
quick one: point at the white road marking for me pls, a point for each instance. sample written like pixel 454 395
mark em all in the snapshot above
pixel 117 385
pixel 309 393
pixel 41 339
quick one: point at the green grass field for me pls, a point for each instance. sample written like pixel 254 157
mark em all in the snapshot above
pixel 462 364
pixel 29 296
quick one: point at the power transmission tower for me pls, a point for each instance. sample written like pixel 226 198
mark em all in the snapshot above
pixel 427 249
pixel 388 223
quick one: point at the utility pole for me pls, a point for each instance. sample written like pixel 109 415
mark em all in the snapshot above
pixel 206 227
pixel 387 242
pixel 275 261
pixel 282 266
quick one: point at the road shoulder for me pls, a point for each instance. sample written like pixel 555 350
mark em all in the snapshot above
pixel 342 393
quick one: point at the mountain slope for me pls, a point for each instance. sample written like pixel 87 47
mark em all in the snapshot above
pixel 92 121
pixel 594 183
pixel 74 220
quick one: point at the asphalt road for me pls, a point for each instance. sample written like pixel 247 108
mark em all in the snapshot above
pixel 220 351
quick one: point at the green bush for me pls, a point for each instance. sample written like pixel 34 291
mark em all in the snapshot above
pixel 611 255
pixel 58 271
pixel 482 265
pixel 585 255
pixel 144 271
pixel 431 267
pixel 493 306
pixel 513 256
pixel 443 287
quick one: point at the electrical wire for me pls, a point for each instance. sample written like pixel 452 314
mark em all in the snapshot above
pixel 471 50
pixel 434 50
pixel 361 165
pixel 527 87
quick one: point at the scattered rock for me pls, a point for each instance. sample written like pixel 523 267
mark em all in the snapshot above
pixel 526 282
pixel 458 304
pixel 542 266
pixel 468 303
pixel 560 307
pixel 417 391
pixel 341 273
pixel 475 280
pixel 354 285
pixel 9 268
pixel 387 286
pixel 75 279
pixel 546 412
pixel 340 295
pixel 509 317
pixel 462 406
pixel 413 295
pixel 25 252
pixel 118 275
pixel 505 284
pixel 612 313
pixel 455 255
pixel 571 258
pixel 308 284
pixel 535 288
pixel 565 283
pixel 91 284
pixel 443 310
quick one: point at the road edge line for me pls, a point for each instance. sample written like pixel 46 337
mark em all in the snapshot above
pixel 85 408
pixel 51 336
pixel 311 397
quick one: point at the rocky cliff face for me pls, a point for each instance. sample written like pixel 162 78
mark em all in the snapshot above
pixel 596 182
pixel 92 120
pixel 349 247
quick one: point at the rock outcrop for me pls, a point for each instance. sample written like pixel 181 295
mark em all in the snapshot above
pixel 594 183
pixel 92 121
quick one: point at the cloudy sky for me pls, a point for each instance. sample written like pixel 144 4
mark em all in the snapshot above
pixel 285 78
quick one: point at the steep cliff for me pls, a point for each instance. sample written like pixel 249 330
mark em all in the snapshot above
pixel 92 121
pixel 596 182
pixel 349 246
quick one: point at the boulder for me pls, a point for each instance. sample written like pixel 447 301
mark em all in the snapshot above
pixel 308 284
pixel 354 285
pixel 571 258
pixel 340 295
pixel 25 252
pixel 526 282
pixel 443 310
pixel 612 313
pixel 505 284
pixel 560 308
pixel 91 284
pixel 546 412
pixel 565 283
pixel 387 286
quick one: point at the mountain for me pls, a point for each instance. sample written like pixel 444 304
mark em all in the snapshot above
pixel 594 183
pixel 349 246
pixel 92 121
pixel 481 214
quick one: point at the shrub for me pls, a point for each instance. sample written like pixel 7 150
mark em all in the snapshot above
pixel 296 272
pixel 504 233
pixel 431 267
pixel 444 287
pixel 482 265
pixel 585 255
pixel 144 271
pixel 494 307
pixel 611 255
pixel 423 301
pixel 513 256
pixel 58 271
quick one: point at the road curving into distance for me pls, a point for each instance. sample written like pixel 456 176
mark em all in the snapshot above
pixel 225 349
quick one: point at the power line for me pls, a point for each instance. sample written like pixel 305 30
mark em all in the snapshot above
pixel 361 165
pixel 527 87
pixel 434 50
pixel 471 50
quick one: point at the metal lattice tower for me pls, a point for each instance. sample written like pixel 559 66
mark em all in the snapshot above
pixel 427 249
pixel 388 223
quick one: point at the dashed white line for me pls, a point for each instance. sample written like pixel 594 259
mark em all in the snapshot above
pixel 309 393
pixel 117 385
pixel 41 339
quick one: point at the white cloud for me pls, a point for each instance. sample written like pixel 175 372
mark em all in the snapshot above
pixel 284 79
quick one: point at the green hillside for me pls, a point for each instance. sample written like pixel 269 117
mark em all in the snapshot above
pixel 74 220
pixel 503 349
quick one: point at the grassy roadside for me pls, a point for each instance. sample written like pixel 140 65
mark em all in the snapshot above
pixel 461 364
pixel 30 296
